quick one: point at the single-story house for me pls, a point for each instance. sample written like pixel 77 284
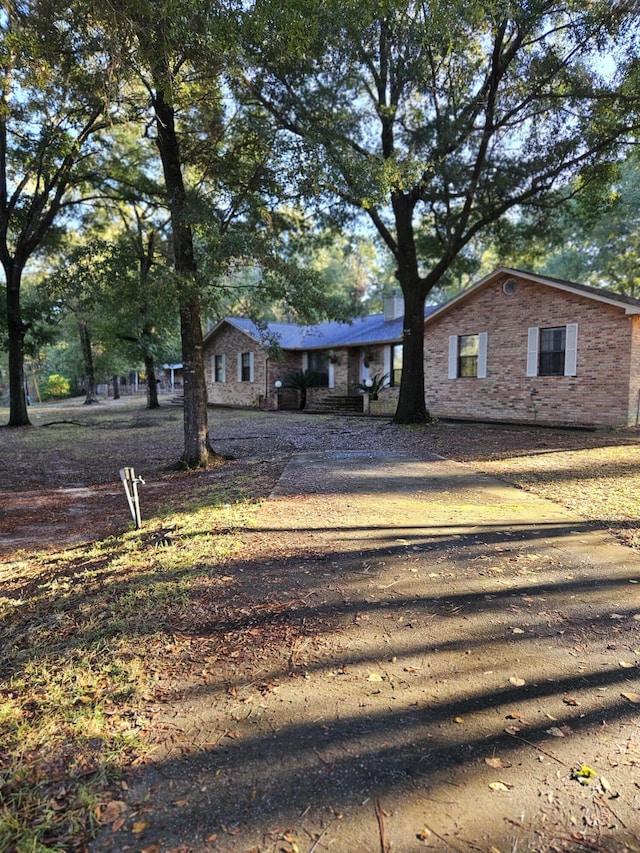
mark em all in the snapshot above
pixel 242 365
pixel 515 347
pixel 518 347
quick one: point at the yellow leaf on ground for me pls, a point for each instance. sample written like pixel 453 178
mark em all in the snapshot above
pixel 374 676
pixel 632 697
pixel 500 786
pixel 140 826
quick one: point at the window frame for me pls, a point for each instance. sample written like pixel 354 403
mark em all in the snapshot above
pixel 218 368
pixel 480 358
pixel 318 362
pixel 246 370
pixel 395 373
pixel 570 363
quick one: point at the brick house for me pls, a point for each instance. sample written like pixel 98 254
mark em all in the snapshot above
pixel 518 347
pixel 243 360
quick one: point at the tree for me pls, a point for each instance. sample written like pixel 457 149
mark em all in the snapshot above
pixel 54 102
pixel 435 119
pixel 596 240
pixel 177 51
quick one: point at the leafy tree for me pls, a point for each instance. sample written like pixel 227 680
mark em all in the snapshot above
pixel 54 103
pixel 596 240
pixel 435 119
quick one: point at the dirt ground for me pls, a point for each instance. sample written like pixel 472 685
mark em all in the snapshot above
pixel 422 666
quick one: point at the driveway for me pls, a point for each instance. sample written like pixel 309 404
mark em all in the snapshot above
pixel 463 675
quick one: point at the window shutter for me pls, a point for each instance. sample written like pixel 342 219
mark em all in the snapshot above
pixel 305 361
pixel 482 355
pixel 212 362
pixel 532 351
pixel 571 350
pixel 453 356
pixel 223 372
pixel 332 375
pixel 251 367
pixel 239 367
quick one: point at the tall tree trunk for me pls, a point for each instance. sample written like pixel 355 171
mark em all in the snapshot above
pixel 412 407
pixel 87 358
pixel 152 385
pixel 197 450
pixel 16 330
pixel 116 386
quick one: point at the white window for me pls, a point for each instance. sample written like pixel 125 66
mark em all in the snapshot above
pixel 245 367
pixel 552 350
pixel 468 356
pixel 218 368
pixel 393 364
pixel 319 363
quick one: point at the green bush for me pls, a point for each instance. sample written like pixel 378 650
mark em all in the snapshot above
pixel 57 386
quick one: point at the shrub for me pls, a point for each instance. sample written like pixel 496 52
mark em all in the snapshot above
pixel 57 386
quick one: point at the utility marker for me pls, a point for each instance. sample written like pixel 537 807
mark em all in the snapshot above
pixel 130 483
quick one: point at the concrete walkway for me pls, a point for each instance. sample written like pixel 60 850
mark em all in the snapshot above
pixel 438 502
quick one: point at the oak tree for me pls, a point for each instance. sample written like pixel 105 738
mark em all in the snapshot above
pixel 436 119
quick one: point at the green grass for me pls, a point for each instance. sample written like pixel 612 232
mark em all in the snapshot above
pixel 83 634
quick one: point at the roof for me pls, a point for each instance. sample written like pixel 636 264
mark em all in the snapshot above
pixel 360 331
pixel 374 329
pixel 627 303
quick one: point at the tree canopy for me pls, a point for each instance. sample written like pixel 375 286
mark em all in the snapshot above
pixel 56 92
pixel 436 119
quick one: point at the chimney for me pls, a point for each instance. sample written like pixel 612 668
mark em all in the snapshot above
pixel 393 306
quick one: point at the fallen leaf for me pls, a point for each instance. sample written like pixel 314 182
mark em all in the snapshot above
pixel 512 730
pixel 554 731
pixel 374 676
pixel 140 826
pixel 584 774
pixel 626 665
pixel 632 697
pixel 112 811
pixel 517 682
pixel 424 834
pixel 514 716
pixel 569 700
pixel 117 825
pixel 500 786
pixel 517 631
pixel 180 803
pixel 494 762
pixel 458 720
pixel 605 784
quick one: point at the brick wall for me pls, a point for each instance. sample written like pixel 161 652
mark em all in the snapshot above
pixel 229 341
pixel 600 394
pixel 634 373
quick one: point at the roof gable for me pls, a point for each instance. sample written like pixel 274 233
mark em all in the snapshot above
pixel 626 303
